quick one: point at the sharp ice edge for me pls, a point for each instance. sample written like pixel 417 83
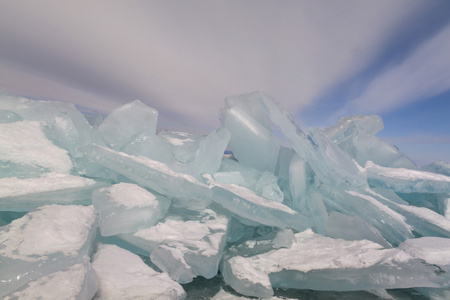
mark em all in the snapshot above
pixel 340 210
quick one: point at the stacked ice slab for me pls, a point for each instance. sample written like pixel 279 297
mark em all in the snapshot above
pixel 114 209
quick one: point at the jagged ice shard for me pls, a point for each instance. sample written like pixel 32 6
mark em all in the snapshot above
pixel 113 207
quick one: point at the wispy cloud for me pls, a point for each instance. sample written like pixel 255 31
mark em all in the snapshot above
pixel 423 74
pixel 185 57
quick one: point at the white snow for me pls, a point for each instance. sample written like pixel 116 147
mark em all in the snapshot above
pixel 123 275
pixel 62 285
pixel 312 252
pixel 131 195
pixel 404 174
pixel 47 230
pixel 25 143
pixel 12 186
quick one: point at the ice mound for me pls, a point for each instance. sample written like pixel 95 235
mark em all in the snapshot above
pixel 113 207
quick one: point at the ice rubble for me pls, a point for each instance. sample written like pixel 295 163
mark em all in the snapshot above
pixel 114 209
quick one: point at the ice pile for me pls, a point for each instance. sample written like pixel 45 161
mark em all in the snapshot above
pixel 110 208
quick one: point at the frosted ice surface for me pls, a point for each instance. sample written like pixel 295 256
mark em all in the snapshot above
pixel 26 143
pixel 46 240
pixel 239 273
pixel 149 173
pixel 126 121
pixel 76 282
pixel 252 144
pixel 185 245
pixel 51 188
pixel 323 263
pixel 406 180
pixel 248 205
pixel 123 275
pixel 126 207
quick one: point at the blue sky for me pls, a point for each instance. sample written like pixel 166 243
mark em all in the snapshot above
pixel 321 60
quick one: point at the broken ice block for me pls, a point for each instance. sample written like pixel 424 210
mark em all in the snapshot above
pixel 268 188
pixel 322 263
pixel 126 121
pixel 208 156
pixel 331 165
pixel 126 207
pixel 248 205
pixel 348 126
pixel 35 110
pixel 47 240
pixel 388 222
pixel 123 275
pixel 76 282
pixel 422 220
pixel 406 180
pixel 51 188
pixel 352 228
pixel 150 145
pixel 26 143
pixel 252 144
pixel 250 104
pixel 356 136
pixel 151 174
pixel 185 245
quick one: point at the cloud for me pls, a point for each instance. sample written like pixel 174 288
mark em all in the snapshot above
pixel 185 57
pixel 423 74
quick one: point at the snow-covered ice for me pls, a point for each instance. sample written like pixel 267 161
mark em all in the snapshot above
pixel 114 209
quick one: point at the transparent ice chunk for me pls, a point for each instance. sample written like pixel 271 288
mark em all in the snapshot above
pixel 126 207
pixel 250 104
pixel 392 225
pixel 252 144
pixel 182 144
pixel 150 145
pixel 126 121
pixel 352 228
pixel 76 282
pixel 151 174
pixel 356 136
pixel 268 188
pixel 247 204
pixel 46 240
pixel 330 163
pixel 123 275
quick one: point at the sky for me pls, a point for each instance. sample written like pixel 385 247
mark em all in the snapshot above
pixel 322 60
